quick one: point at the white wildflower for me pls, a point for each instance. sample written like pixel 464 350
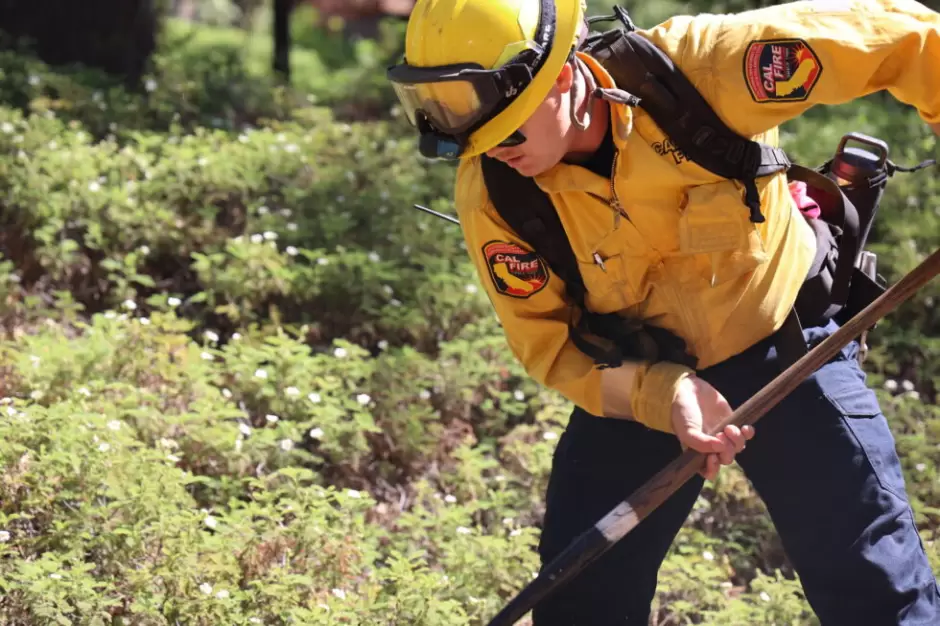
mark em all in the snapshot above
pixel 292 392
pixel 507 521
pixel 270 235
pixel 323 261
pixel 172 458
pixel 145 250
pixel 316 433
pixel 708 556
pixel 84 391
pixel 315 398
pixel 424 394
pixel 549 436
pixel 244 429
pixel 94 187
pixel 286 212
pixel 914 395
pixel 891 385
pixel 236 336
pixel 292 227
pixel 36 394
pixel 395 302
pixel 450 499
pixel 262 210
pixel 374 257
pixel 261 374
pixel 7 128
pixel 352 493
pixel 144 321
pixel 4 536
pixel 388 290
pixel 271 418
pixel 104 447
pixel 56 576
pixel 339 593
pixel 471 288
pixel 238 445
pixel 212 336
pixel 34 80
pixel 130 305
pixel 363 399
pixel 205 356
pixel 114 425
pixel 222 594
pixel 519 395
pixel 254 620
pixel 907 385
pixel 110 315
pixel 291 251
pixel 226 393
pixel 340 353
pixel 256 238
pixel 151 84
pixel 463 530
pixel 210 521
pixel 765 596
pixel 287 445
pixel 206 588
pixel 202 161
pixel 516 532
pixel 920 467
pixel 383 344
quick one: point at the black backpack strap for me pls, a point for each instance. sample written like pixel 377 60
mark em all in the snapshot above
pixel 642 69
pixel 529 212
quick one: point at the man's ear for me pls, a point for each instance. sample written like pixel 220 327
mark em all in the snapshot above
pixel 565 79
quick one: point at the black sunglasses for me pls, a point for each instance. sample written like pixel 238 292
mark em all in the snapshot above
pixel 513 140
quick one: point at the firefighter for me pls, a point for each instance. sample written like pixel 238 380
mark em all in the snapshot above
pixel 659 238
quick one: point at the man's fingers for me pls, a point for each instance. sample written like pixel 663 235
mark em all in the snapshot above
pixel 726 453
pixel 710 470
pixel 734 434
pixel 747 431
pixel 700 442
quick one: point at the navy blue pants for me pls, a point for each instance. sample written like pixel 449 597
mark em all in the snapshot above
pixel 824 463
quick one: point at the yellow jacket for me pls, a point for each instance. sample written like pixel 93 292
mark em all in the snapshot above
pixel 683 253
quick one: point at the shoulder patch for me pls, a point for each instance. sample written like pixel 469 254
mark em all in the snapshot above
pixel 781 70
pixel 515 271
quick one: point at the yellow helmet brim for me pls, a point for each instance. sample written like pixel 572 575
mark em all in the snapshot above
pixel 568 21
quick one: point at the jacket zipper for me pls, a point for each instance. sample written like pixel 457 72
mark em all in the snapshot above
pixel 614 202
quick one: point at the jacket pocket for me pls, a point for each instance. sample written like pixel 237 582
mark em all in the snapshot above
pixel 715 229
pixel 606 283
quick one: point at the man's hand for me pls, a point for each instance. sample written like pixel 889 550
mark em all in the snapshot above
pixel 696 412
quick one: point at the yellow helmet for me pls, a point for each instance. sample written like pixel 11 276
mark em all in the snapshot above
pixel 475 70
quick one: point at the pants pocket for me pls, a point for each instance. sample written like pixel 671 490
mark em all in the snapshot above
pixel 843 386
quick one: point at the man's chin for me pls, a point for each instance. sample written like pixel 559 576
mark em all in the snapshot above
pixel 527 167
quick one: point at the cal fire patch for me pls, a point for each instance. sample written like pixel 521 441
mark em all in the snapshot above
pixel 781 70
pixel 515 271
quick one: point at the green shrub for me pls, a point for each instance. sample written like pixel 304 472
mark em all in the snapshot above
pixel 243 381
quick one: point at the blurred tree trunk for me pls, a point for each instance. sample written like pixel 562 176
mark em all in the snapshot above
pixel 117 36
pixel 282 9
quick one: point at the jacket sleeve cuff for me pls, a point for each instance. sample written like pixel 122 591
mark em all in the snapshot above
pixel 654 389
